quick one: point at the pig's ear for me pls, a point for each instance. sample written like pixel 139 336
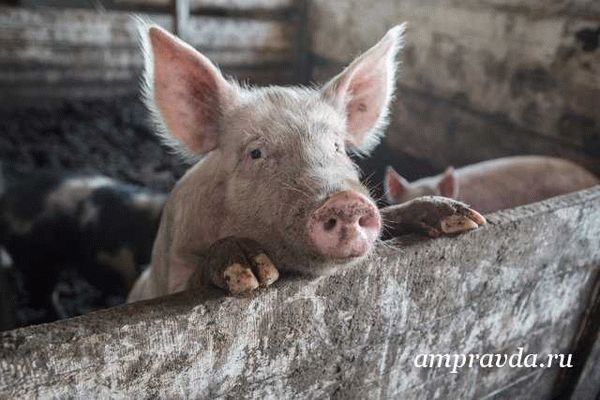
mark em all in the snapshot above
pixel 363 91
pixel 185 92
pixel 394 185
pixel 448 184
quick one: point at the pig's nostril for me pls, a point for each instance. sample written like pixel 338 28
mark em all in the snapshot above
pixel 330 224
pixel 367 221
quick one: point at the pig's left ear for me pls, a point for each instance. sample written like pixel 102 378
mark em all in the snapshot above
pixel 363 91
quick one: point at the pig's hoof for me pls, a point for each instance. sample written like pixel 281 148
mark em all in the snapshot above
pixel 240 265
pixel 443 216
pixel 458 218
pixel 239 279
pixel 457 223
pixel 265 270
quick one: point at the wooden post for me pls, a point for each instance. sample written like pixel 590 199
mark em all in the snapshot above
pixel 302 41
pixel 181 14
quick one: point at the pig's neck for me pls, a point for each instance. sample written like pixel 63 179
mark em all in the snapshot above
pixel 191 222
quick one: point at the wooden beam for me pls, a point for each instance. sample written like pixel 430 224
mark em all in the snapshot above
pixel 199 5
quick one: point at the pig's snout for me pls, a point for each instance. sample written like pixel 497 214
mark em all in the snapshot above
pixel 346 226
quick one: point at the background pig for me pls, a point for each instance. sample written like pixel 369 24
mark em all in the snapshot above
pixel 275 178
pixel 495 184
pixel 97 226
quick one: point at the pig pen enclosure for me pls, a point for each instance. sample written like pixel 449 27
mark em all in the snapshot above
pixel 478 80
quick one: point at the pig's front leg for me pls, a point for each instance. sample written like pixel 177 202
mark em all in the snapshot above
pixel 237 265
pixel 431 215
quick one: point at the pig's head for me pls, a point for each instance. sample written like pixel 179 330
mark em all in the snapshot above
pixel 279 155
pixel 399 190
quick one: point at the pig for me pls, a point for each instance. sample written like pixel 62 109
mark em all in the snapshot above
pixel 100 227
pixel 495 184
pixel 274 188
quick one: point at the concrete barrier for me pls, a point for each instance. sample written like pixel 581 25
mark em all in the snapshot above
pixel 526 280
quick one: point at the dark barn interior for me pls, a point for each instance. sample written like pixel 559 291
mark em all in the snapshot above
pixel 478 80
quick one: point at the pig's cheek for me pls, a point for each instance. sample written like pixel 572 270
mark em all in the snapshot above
pixel 245 167
pixel 294 231
pixel 252 169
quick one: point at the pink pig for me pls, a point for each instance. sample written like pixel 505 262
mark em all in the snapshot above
pixel 274 188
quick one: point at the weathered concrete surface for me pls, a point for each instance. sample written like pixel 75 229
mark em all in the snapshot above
pixel 506 63
pixel 521 281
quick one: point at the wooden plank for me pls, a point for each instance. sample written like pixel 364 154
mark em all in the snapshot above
pixel 354 334
pixel 534 70
pixel 68 84
pixel 199 5
pixel 303 43
pixel 48 48
pixel 92 64
pixel 52 27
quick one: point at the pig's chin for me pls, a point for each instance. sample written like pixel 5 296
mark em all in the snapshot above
pixel 312 263
pixel 327 266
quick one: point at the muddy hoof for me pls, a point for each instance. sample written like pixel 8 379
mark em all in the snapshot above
pixel 238 265
pixel 444 216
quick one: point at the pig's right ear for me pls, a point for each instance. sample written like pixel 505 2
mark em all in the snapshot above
pixel 394 185
pixel 364 90
pixel 184 91
pixel 448 184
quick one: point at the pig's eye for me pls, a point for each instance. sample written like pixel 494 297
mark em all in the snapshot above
pixel 337 147
pixel 255 154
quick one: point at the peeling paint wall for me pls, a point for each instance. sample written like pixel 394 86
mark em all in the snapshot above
pixel 497 77
pixel 524 280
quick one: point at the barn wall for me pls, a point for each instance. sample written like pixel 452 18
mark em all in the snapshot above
pixel 50 52
pixel 479 79
pixel 524 280
pixel 69 78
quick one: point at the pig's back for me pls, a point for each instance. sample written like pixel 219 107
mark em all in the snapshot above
pixel 512 181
